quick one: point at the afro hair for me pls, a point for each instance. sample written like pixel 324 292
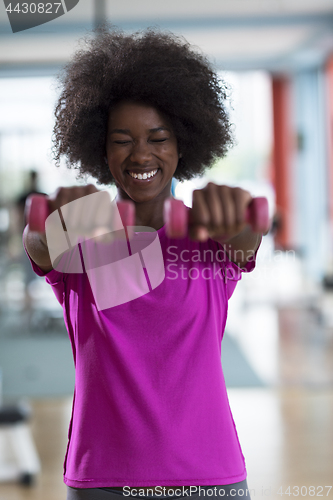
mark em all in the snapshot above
pixel 153 67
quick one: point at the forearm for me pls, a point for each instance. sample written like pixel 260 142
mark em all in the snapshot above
pixel 36 246
pixel 241 248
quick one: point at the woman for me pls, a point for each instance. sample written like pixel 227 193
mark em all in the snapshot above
pixel 150 406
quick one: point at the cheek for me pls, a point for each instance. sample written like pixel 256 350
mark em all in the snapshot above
pixel 170 154
pixel 115 159
pixel 113 165
pixel 113 153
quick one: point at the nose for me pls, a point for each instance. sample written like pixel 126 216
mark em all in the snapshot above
pixel 140 152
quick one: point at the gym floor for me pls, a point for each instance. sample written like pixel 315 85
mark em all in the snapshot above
pixel 286 436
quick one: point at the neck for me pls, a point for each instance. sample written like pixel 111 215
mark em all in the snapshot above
pixel 148 213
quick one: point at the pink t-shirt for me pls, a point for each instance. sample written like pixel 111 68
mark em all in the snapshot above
pixel 150 404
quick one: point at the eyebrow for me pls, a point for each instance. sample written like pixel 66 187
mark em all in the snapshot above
pixel 127 131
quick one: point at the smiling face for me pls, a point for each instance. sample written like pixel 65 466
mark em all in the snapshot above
pixel 141 151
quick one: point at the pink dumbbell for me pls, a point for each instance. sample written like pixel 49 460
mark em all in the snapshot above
pixel 176 216
pixel 37 211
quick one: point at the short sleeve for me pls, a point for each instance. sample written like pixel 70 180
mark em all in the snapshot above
pixel 232 273
pixel 54 278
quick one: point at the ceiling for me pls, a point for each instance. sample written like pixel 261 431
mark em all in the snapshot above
pixel 276 35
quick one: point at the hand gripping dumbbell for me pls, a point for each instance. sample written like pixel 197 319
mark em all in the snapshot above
pixel 176 215
pixel 38 210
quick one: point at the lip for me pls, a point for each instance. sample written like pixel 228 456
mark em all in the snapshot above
pixel 141 170
pixel 136 171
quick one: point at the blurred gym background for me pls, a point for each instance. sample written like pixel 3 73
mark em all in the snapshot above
pixel 277 57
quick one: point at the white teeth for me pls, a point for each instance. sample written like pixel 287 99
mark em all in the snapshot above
pixel 144 176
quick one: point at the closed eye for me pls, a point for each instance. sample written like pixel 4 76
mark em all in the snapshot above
pixel 152 140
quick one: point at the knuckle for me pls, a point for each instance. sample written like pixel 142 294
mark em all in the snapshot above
pixel 238 191
pixel 242 193
pixel 224 191
pixel 77 192
pixel 90 188
pixel 60 191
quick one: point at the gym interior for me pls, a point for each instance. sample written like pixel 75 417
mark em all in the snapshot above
pixel 277 350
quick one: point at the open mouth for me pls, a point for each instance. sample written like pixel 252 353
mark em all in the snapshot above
pixel 144 176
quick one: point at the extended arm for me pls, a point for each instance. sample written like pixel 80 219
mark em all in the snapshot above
pixel 242 247
pixel 218 212
pixel 36 246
